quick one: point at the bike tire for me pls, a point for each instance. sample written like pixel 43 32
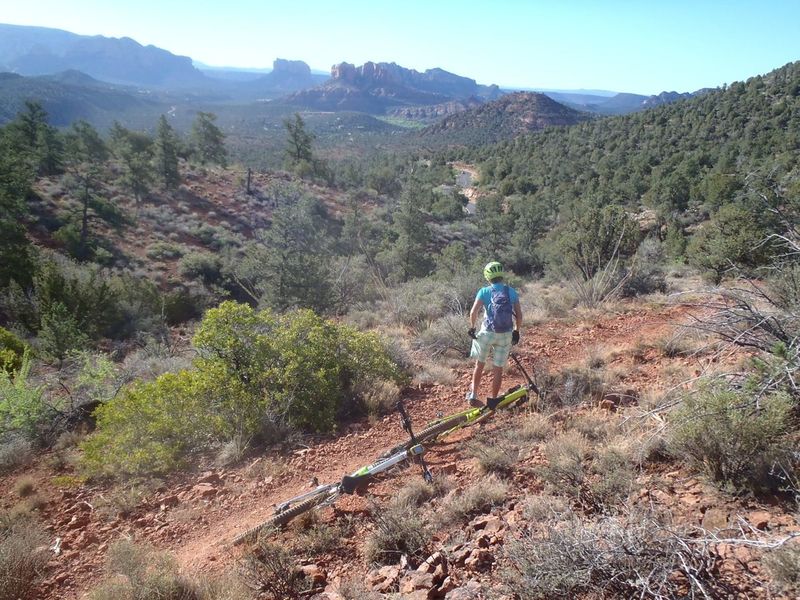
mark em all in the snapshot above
pixel 430 433
pixel 280 519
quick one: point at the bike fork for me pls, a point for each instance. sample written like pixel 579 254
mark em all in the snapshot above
pixel 426 474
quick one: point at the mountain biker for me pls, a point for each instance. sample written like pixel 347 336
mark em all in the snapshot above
pixel 499 329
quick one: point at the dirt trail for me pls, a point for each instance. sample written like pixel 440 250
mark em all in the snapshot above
pixel 196 516
pixel 465 179
pixel 559 344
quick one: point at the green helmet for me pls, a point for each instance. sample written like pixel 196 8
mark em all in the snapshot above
pixel 493 270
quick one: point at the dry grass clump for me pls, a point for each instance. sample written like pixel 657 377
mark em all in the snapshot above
pixel 270 569
pixel 532 429
pixel 595 425
pixel 25 487
pixel 598 478
pixel 495 456
pixel 545 509
pixel 480 497
pixel 572 387
pixel 418 491
pixel 354 588
pixel 784 566
pixel 323 537
pixel 399 531
pixel 629 556
pixel 15 452
pixel 434 373
pixel 139 573
pixel 378 397
pixel 23 558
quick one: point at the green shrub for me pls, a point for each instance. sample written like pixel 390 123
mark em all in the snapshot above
pixel 23 407
pixel 732 436
pixel 202 266
pixel 302 365
pixel 163 251
pixel 12 350
pixel 61 333
pixel 257 374
pixel 152 427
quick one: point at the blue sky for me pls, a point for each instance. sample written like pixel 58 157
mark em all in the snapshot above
pixel 640 46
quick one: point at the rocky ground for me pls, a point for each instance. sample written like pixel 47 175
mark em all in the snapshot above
pixel 195 515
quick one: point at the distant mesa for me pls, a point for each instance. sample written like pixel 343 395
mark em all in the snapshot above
pixel 287 76
pixel 379 87
pixel 297 68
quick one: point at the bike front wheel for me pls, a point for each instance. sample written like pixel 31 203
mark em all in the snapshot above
pixel 280 519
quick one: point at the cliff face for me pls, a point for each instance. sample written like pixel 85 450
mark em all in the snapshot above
pixel 378 87
pixel 43 51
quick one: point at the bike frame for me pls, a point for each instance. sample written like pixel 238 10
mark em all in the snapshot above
pixel 350 482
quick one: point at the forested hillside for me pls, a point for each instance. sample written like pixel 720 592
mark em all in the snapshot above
pixel 732 154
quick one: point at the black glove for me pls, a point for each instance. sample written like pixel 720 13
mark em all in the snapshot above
pixel 471 333
pixel 515 337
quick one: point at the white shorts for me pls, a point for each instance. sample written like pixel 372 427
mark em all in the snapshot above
pixel 499 343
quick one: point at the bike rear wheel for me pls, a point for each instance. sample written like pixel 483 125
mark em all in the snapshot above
pixel 428 434
pixel 280 519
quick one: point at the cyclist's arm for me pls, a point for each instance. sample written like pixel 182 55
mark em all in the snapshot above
pixel 518 314
pixel 475 312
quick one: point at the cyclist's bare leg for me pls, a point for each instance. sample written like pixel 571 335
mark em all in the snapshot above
pixel 497 380
pixel 477 374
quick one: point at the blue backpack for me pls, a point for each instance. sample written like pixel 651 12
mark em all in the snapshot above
pixel 499 312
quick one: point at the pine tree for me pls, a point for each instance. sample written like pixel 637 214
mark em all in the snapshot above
pixel 135 152
pixel 208 141
pixel 165 155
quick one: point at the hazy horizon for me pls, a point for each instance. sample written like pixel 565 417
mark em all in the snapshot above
pixel 619 45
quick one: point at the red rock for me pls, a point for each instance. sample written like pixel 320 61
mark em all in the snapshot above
pixel 416 580
pixel 448 469
pixel 78 521
pixel 171 500
pixel 210 477
pixel 461 556
pixel 383 580
pixel 480 560
pixel 447 585
pixel 462 593
pixel 204 490
pixel 759 519
pixel 316 576
pixel 715 519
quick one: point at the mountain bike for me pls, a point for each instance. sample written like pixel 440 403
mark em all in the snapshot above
pixel 325 495
pixel 444 426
